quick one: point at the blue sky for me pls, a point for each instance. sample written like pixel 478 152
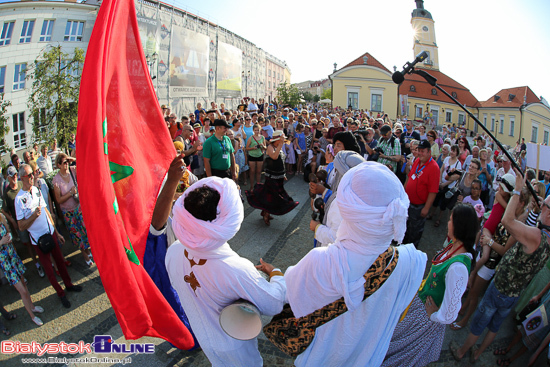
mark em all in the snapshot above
pixel 486 45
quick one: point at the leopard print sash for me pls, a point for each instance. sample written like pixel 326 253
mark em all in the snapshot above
pixel 293 335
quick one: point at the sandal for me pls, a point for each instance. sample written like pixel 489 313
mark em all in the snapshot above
pixel 504 362
pixel 501 351
pixel 437 223
pixel 454 347
pixel 455 326
pixel 11 316
pixel 266 218
pixel 473 351
pixel 6 332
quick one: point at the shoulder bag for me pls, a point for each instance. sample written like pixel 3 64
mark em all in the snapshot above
pixel 293 335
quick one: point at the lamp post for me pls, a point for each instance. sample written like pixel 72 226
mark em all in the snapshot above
pixel 151 61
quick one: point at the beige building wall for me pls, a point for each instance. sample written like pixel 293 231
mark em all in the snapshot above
pixel 370 87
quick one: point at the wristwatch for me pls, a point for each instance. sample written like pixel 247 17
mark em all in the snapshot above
pixel 516 192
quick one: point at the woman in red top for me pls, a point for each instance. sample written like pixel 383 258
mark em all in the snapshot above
pixel 464 149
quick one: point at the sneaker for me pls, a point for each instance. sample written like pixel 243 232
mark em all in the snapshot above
pixel 37 309
pixel 75 288
pixel 40 270
pixel 65 302
pixel 37 320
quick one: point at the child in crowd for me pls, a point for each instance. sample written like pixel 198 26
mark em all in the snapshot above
pixel 299 147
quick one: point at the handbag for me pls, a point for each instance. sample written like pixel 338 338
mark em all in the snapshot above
pixel 75 196
pixel 293 335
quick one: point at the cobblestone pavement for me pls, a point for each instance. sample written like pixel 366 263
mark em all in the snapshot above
pixel 283 243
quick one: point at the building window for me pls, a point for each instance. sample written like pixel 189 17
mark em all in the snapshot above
pixel 418 111
pixel 19 138
pixel 453 94
pixel 269 72
pixel 512 125
pixel 408 109
pixel 412 88
pixel 353 100
pixel 7 30
pixel 73 31
pixel 492 123
pixel 534 133
pixel 449 116
pixel 461 119
pixel 501 127
pixel 47 28
pixel 26 32
pixel 434 92
pixel 2 78
pixel 268 85
pixel 545 137
pixel 19 76
pixel 375 102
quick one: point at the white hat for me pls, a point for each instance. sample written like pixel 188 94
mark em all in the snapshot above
pixel 277 134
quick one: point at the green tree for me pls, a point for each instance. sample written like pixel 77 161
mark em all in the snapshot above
pixel 308 97
pixel 4 128
pixel 288 94
pixel 326 94
pixel 53 100
pixel 316 98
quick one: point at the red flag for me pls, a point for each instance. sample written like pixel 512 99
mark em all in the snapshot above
pixel 124 151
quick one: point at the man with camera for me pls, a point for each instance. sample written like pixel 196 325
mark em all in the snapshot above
pixel 314 156
pixel 388 149
pixel 33 215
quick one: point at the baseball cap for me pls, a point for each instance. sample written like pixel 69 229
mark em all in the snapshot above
pixel 508 182
pixel 197 125
pixel 12 171
pixel 424 144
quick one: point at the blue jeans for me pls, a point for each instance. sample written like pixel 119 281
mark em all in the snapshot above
pixel 492 311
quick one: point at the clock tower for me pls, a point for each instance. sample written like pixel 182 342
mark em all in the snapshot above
pixel 424 36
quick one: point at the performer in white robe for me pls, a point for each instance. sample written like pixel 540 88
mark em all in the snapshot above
pixel 208 275
pixel 373 206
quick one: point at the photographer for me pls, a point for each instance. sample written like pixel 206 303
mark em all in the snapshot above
pixel 389 149
pixel 451 174
pixel 314 160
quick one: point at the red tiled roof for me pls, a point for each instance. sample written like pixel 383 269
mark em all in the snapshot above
pixel 517 93
pixel 424 90
pixel 371 61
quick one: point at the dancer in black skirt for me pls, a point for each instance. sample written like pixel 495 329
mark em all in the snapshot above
pixel 271 196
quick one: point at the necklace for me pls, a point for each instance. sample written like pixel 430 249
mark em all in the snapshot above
pixel 63 175
pixel 439 258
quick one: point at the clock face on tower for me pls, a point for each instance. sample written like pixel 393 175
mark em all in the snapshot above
pixel 425 29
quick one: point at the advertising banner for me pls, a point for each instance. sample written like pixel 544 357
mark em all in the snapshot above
pixel 189 63
pixel 229 70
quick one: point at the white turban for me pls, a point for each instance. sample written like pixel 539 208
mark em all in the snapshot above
pixel 207 237
pixel 374 206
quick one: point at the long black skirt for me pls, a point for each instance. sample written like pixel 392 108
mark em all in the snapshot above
pixel 271 197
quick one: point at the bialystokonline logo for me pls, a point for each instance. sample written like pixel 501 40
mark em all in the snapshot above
pixel 101 344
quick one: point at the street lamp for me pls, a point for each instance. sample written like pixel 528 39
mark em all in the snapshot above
pixel 151 60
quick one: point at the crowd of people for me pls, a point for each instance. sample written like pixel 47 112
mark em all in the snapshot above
pixel 374 185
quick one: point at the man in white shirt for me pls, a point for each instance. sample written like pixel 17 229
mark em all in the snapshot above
pixel 44 161
pixel 506 168
pixel 209 276
pixel 33 215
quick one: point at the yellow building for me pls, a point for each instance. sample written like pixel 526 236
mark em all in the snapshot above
pixel 366 84
pixel 515 113
pixel 510 114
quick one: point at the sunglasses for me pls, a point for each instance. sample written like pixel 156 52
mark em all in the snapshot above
pixel 29 175
pixel 64 162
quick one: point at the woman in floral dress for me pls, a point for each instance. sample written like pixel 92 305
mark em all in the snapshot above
pixel 13 269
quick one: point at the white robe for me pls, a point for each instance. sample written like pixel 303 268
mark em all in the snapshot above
pixel 360 337
pixel 223 279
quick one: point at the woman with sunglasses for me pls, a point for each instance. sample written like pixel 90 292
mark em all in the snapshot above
pixel 66 195
pixel 431 137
